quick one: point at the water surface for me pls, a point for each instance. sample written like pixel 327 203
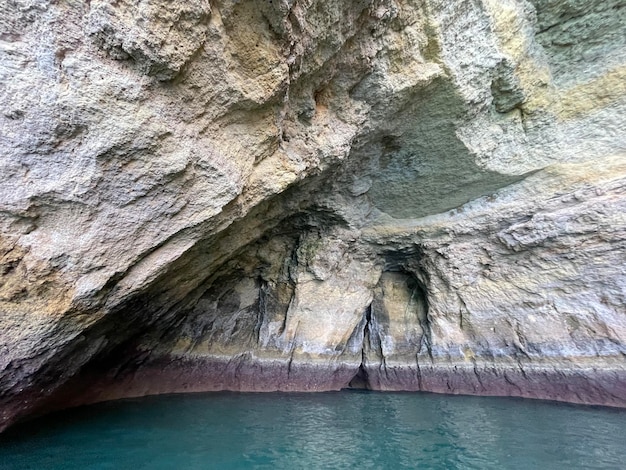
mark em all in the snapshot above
pixel 325 430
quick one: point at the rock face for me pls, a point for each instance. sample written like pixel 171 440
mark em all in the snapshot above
pixel 311 195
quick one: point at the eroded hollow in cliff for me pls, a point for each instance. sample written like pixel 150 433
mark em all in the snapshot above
pixel 396 328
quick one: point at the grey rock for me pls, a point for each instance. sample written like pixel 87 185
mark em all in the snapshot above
pixel 311 195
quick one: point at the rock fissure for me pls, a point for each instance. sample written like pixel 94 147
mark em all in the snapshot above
pixel 304 195
pixel 360 380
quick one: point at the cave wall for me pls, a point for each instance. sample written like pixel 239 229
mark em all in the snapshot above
pixel 301 195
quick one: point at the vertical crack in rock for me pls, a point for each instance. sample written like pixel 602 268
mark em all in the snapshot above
pixel 250 170
pixel 262 316
pixel 396 329
pixel 360 380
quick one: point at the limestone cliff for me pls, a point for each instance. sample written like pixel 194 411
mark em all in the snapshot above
pixel 311 195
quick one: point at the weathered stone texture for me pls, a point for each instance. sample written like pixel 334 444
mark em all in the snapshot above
pixel 304 195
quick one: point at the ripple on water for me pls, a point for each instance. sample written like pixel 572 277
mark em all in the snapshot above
pixel 325 430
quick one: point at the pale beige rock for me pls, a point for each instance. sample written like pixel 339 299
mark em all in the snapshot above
pixel 277 195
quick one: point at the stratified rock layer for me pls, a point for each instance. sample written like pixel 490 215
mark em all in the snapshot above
pixel 396 195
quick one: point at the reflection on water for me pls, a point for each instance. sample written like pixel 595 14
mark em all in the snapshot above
pixel 328 430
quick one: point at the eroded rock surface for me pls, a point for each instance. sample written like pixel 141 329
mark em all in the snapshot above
pixel 288 195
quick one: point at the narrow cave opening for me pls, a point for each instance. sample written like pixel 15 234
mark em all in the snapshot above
pixel 396 326
pixel 361 381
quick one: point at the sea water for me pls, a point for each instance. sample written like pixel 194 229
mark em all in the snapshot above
pixel 352 429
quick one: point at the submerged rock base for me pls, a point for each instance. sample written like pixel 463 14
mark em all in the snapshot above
pixel 573 383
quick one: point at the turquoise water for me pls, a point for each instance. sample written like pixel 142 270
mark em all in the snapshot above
pixel 327 430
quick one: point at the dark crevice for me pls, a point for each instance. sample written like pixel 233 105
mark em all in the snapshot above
pixel 360 381
pixel 377 322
